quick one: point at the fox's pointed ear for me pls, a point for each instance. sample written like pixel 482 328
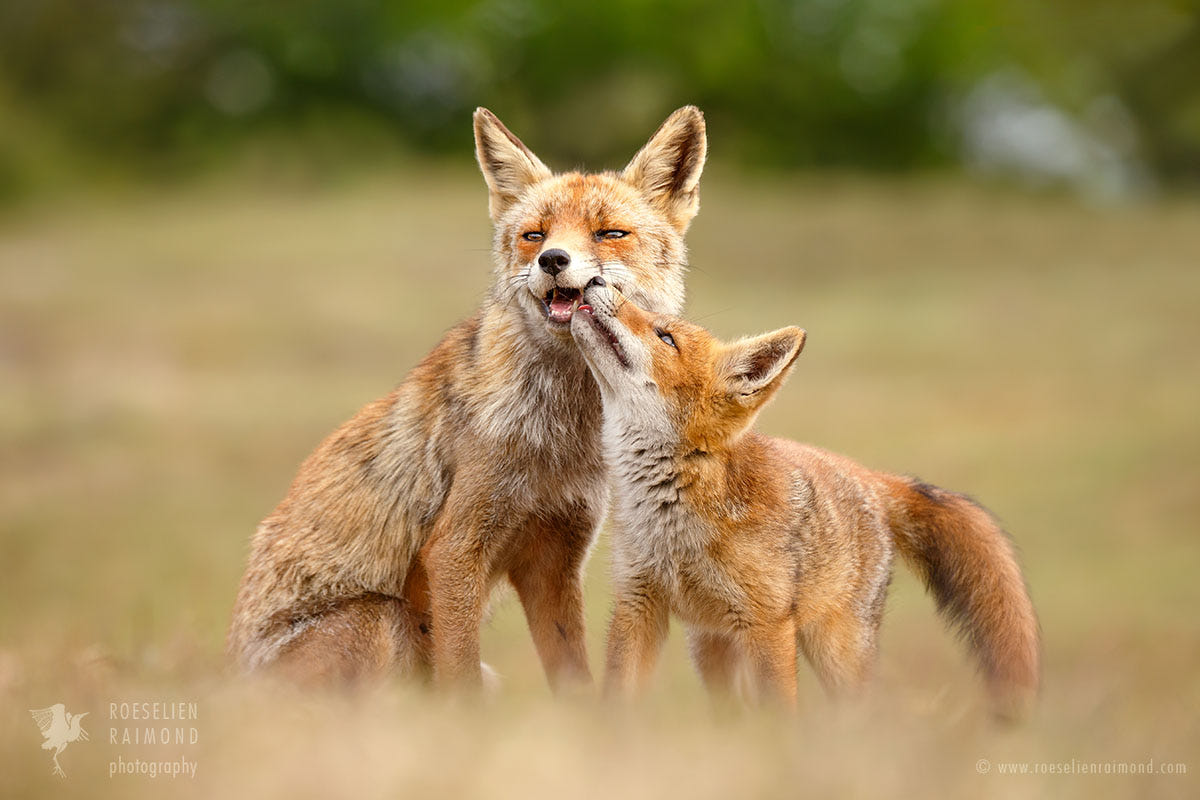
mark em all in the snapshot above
pixel 753 369
pixel 508 166
pixel 667 169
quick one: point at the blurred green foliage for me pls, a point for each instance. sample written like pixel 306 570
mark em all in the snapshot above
pixel 174 85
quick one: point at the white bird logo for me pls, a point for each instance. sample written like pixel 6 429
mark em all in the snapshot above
pixel 59 728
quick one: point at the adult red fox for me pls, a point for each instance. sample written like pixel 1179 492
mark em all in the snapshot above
pixel 485 463
pixel 760 545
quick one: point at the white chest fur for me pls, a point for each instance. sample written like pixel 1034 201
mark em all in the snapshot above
pixel 655 534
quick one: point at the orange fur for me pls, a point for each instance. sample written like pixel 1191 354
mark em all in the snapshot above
pixel 484 464
pixel 764 546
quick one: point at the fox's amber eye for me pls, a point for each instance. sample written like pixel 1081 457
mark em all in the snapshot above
pixel 611 233
pixel 533 236
pixel 666 337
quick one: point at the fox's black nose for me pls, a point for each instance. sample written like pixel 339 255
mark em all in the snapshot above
pixel 554 261
pixel 596 281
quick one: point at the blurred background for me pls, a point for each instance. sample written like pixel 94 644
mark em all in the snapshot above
pixel 225 226
pixel 1100 94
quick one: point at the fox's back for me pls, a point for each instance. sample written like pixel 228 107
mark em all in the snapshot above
pixel 841 525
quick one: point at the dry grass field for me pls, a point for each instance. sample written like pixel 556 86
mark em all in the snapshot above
pixel 166 361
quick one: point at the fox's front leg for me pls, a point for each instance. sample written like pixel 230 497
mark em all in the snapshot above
pixel 635 637
pixel 548 577
pixel 457 591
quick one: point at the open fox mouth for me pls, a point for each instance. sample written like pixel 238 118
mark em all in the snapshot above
pixel 561 303
pixel 607 333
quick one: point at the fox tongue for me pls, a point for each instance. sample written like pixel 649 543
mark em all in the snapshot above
pixel 561 308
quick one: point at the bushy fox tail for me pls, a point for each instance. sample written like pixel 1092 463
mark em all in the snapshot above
pixel 968 565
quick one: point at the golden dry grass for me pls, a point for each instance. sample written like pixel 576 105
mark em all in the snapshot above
pixel 167 361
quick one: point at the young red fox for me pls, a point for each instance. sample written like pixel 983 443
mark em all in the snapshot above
pixel 763 545
pixel 485 463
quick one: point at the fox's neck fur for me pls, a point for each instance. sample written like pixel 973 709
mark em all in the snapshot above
pixel 652 471
pixel 529 388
